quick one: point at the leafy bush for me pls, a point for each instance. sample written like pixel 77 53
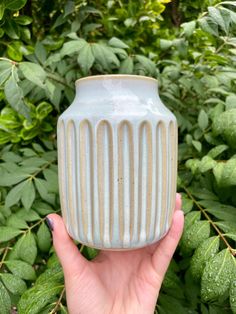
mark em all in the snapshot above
pixel 42 53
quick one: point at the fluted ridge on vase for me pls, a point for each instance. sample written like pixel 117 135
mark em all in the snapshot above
pixel 105 203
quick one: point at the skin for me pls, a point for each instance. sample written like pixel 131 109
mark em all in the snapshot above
pixel 115 281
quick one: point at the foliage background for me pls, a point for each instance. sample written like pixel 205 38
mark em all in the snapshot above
pixel 191 48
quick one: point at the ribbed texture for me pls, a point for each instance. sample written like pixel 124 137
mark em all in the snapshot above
pixel 117 180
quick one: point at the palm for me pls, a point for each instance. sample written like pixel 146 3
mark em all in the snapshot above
pixel 116 282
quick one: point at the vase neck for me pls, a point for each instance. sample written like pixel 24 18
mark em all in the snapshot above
pixel 116 86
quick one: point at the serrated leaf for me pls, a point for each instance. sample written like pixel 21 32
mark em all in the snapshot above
pixel 13 283
pixel 232 296
pixel 202 254
pixel 8 233
pixel 21 269
pixel 196 234
pixel 33 72
pixel 217 276
pixel 86 58
pixel 15 194
pixel 44 238
pixel 203 120
pixel 5 300
pixel 127 66
pixel 28 195
pixel 36 298
pixel 28 248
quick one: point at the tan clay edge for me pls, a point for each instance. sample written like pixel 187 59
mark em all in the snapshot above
pixel 116 76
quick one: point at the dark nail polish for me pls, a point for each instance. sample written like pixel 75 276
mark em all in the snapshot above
pixel 49 222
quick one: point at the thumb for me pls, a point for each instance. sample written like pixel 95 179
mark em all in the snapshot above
pixel 70 257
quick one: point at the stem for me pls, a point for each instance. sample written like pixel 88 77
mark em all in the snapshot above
pixel 4 256
pixel 41 169
pixel 54 310
pixel 58 79
pixel 232 251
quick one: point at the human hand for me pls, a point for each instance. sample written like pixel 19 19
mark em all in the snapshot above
pixel 115 281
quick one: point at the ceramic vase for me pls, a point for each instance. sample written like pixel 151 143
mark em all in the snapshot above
pixel 117 161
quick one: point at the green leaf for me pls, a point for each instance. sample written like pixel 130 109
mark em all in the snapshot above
pixel 232 296
pixel 165 44
pixel 116 42
pixel 14 51
pixel 28 195
pixel 13 283
pixel 105 57
pixel 221 211
pixel 44 238
pixel 52 179
pixel 27 248
pixel 90 253
pixel 195 235
pixel 5 71
pixel 148 64
pixel 23 20
pixel 187 204
pixel 15 194
pixel 191 218
pixel 197 145
pixel 217 276
pixel 8 179
pixel 203 254
pixel 231 236
pixel 216 16
pixel 230 102
pixel 126 66
pixel 208 26
pixel 72 47
pixel 5 300
pixel 42 187
pixel 225 173
pixel 86 58
pixel 225 126
pixel 14 96
pixel 15 4
pixel 16 222
pixel 216 151
pixel 189 28
pixel 43 110
pixel 227 226
pixel 202 120
pixel 8 233
pixel 206 164
pixel 21 269
pixel 35 299
pixel 33 72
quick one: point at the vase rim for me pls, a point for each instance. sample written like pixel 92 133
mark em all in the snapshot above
pixel 115 76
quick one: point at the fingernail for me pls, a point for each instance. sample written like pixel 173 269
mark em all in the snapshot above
pixel 49 222
pixel 180 196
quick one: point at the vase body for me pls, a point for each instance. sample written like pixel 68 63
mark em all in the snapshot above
pixel 117 162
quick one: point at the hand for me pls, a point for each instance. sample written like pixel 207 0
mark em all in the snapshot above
pixel 115 281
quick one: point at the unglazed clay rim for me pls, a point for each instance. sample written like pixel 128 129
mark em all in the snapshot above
pixel 115 76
